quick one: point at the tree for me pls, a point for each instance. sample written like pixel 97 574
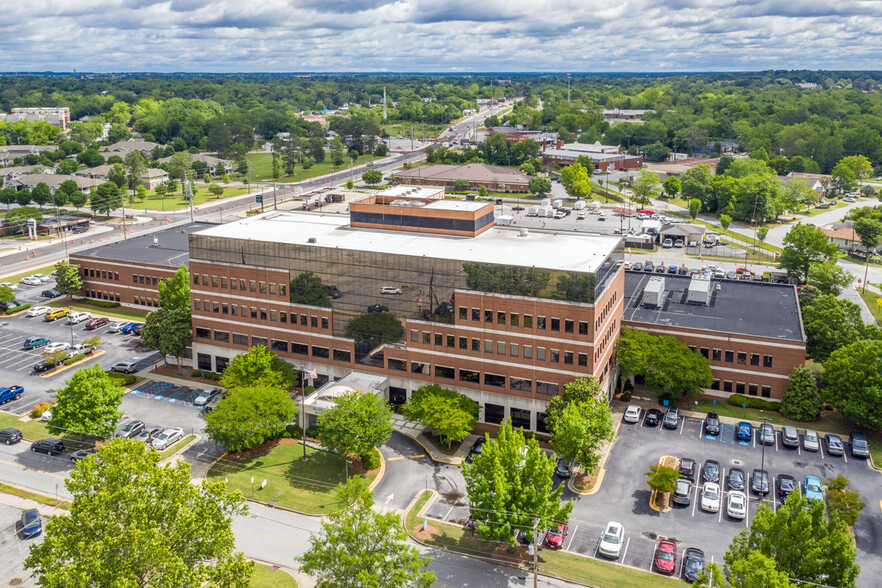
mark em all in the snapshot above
pixel 135 165
pixel 756 571
pixel 87 404
pixel 307 288
pixel 381 150
pixel 870 232
pixel 671 186
pixel 117 175
pixel 579 390
pixel 460 185
pixel 843 178
pixel 576 180
pixel 8 197
pixel 633 350
pixel 828 277
pixel 59 199
pixel 694 207
pixel 67 166
pixel 359 547
pixel 206 177
pixel 169 331
pixel 77 199
pixel 859 165
pixel 249 415
pixel 374 328
pixel 801 400
pixel 697 182
pixel 510 487
pixel 6 294
pixel 216 190
pixel 41 194
pixel 844 502
pixel 725 221
pixel 803 245
pixel 482 191
pixel 23 197
pixel 853 383
pixel 830 324
pixel 141 193
pixel 133 523
pixel 539 186
pixel 179 165
pixel 67 278
pixel 259 367
pixel 805 545
pixel 160 191
pixel 372 177
pixel 242 166
pixel 357 423
pixel 90 158
pixel 106 199
pixel 646 187
pixel 449 413
pixel 662 479
pixel 672 369
pixel 581 429
pixel 350 184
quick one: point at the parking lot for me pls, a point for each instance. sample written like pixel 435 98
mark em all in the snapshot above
pixel 14 549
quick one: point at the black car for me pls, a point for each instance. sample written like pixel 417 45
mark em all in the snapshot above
pixel 712 423
pixel 45 365
pixel 652 418
pixel 82 454
pixel 378 308
pixel 859 446
pixel 687 469
pixel 10 436
pixel 564 468
pixel 333 292
pixel 759 481
pixel 693 564
pixel 735 479
pixel 50 293
pixel 48 446
pixel 31 524
pixel 710 472
pixel 517 208
pixel 11 304
pixel 784 486
pixel 672 418
pixel 476 449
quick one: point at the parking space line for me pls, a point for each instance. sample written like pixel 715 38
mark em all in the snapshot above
pixel 701 430
pixel 776 441
pixel 682 425
pixel 448 513
pixel 845 457
pixel 570 542
pixel 695 500
pixel 624 553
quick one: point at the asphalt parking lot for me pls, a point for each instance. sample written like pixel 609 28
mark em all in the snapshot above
pixel 14 549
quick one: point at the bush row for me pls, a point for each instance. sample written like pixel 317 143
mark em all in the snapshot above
pixel 99 303
pixel 122 379
pixel 754 402
pixel 213 376
pixel 15 309
pixel 74 359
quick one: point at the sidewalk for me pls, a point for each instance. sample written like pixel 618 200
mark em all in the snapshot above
pixel 417 432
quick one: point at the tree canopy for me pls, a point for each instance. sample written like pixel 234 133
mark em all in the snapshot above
pixel 357 423
pixel 448 412
pixel 88 404
pixel 307 288
pixel 259 367
pixel 669 367
pixel 853 383
pixel 804 245
pixel 249 415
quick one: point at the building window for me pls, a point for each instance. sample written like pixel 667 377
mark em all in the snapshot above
pixel 299 348
pixel 313 322
pixel 476 314
pixel 243 285
pixel 528 352
pixel 451 341
pixel 705 352
pixel 283 289
pixel 197 304
pixel 439 339
pixel 427 337
pixel 342 355
pixel 500 317
pixel 321 352
pixel 754 359
pixel 222 336
pixel 766 391
pixel 325 323
pixel 540 353
pixel 555 324
pixel 500 347
pixel 303 319
pixel 494 380
pixel 463 342
pixel 752 389
pixel 528 321
pixel 239 339
pixel 520 384
pixel 463 313
pixel 568 326
pixel 414 335
pixel 278 345
pixel 255 341
pixel 252 286
pixel 583 359
pixel 263 314
pixel 234 310
pixel 254 312
pixel 272 289
pixel 767 361
pixel 693 348
pixel 718 354
pixel 116 277
pixel 223 282
pixel 203 361
pixel 742 357
pixel 205 279
pixel 398 365
pixel 214 281
pixel 195 279
pixel 547 388
pixel 476 344
pixel 418 367
pixel 273 315
pixel 568 357
pixel 232 283
pixel 540 323
pixel 739 387
pixel 262 287
pixel 715 385
pixel 225 308
pixel 469 376
pixel 134 278
pixel 514 349
pixel 583 328
pixel 444 372
pixel 727 386
pixel 555 356
pixel 202 333
pixel 488 316
pixel 488 346
pixel 283 316
pixel 730 356
pixel 514 319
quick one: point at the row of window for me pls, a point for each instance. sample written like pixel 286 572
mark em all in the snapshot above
pixel 144 301
pixel 102 295
pixel 514 319
pixel 103 274
pixel 473 376
pixel 602 313
pixel 500 348
pixel 263 314
pixel 741 387
pixel 278 345
pixel 607 338
pixel 730 356
pixel 241 285
pixel 146 280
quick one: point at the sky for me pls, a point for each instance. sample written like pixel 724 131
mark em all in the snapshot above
pixel 440 35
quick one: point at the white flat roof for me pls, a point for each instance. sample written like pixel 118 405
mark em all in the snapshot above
pixel 457 205
pixel 565 251
pixel 412 191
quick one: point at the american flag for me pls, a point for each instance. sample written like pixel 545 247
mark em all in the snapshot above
pixel 310 374
pixel 419 299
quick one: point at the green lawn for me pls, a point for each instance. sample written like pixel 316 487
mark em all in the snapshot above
pixel 870 298
pixel 14 491
pixel 554 563
pixel 14 278
pixel 308 487
pixel 264 578
pixel 121 312
pixel 201 195
pixel 36 430
pixel 176 447
pixel 428 131
pixel 260 168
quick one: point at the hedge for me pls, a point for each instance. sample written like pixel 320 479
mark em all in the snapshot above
pixel 15 309
pixel 99 303
pixel 122 379
pixel 754 402
pixel 371 460
pixel 74 359
pixel 213 376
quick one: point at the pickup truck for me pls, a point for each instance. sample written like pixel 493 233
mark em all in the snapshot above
pixel 10 393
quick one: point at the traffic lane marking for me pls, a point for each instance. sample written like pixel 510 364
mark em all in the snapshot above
pixel 280 540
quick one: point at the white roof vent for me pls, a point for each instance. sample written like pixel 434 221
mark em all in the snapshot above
pixel 523 233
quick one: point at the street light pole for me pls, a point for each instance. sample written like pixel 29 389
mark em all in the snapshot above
pixel 763 459
pixel 302 409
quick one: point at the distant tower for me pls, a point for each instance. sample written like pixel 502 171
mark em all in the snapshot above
pixel 384 102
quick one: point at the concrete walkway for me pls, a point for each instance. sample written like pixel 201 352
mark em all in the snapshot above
pixel 418 432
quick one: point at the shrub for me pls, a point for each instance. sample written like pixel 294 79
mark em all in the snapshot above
pixel 39 409
pixel 753 402
pixel 15 309
pixel 213 376
pixel 626 396
pixel 371 460
pixel 99 303
pixel 122 379
pixel 292 432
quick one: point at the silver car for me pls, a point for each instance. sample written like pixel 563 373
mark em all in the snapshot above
pixel 810 441
pixel 167 438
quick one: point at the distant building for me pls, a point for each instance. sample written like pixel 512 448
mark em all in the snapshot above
pixel 617 115
pixel 807 86
pixel 843 236
pixel 492 177
pixel 214 165
pixel 122 147
pixel 9 153
pixel 519 134
pixel 725 147
pixel 151 178
pixel 604 157
pixel 53 181
pixel 57 116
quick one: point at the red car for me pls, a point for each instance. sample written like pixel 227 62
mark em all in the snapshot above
pixel 96 323
pixel 554 537
pixel 666 557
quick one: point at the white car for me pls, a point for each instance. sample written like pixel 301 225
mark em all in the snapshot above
pixel 116 327
pixel 30 281
pixel 38 310
pixel 57 346
pixel 632 414
pixel 710 497
pixel 810 441
pixel 611 540
pixel 9 285
pixel 78 317
pixel 736 507
pixel 167 438
pixel 44 279
pixel 390 290
pixel 581 216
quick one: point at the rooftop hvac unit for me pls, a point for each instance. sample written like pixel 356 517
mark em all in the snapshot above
pixel 654 292
pixel 700 288
pixel 311 240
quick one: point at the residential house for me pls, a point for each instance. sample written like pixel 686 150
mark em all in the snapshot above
pixel 215 165
pixel 9 153
pixel 151 178
pixel 53 181
pixel 121 148
pixel 843 236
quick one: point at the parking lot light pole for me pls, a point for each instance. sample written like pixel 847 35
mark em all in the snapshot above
pixel 302 410
pixel 763 461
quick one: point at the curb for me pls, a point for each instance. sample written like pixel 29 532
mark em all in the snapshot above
pixel 196 439
pixel 58 370
pixel 293 573
pixel 429 453
pixel 601 472
pixel 381 473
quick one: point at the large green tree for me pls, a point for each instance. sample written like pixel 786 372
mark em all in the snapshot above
pixel 249 415
pixel 801 400
pixel 576 180
pixel 669 367
pixel 259 367
pixel 307 288
pixel 805 245
pixel 174 293
pixel 41 194
pixel 830 324
pixel 581 429
pixel 510 486
pixel 88 404
pixel 359 547
pixel 853 382
pixel 357 423
pixel 168 331
pixel 106 199
pixel 844 502
pixel 633 354
pixel 67 278
pixel 372 177
pixel 806 544
pixel 829 277
pixel 448 412
pixel 646 187
pixel 870 232
pixel 133 523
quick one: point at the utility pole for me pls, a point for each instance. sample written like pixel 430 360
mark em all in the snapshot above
pixel 568 88
pixel 275 206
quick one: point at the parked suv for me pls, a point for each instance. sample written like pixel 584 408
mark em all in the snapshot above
pixel 790 436
pixel 48 446
pixel 10 436
pixel 859 446
pixel 672 418
pixel 126 367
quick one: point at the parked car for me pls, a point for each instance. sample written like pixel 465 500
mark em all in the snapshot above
pixel 48 446
pixel 333 292
pixel 648 266
pixel 789 436
pixel 666 557
pixel 810 440
pixel 632 414
pixel 564 468
pixel 34 342
pixel 45 365
pixel 131 429
pixel 637 266
pixel 735 479
pixel 82 454
pixel 687 469
pixel 31 523
pixel 736 506
pixel 9 285
pixel 203 396
pixel 10 436
pixel 672 418
pixel 125 367
pixel 30 281
pixel 50 293
pixel 812 489
pixel 784 486
pixel 744 431
pixel 148 435
pixel 476 449
pixel 679 242
pixel 44 279
pixel 96 323
pixel 766 434
pixel 693 564
pixel 56 314
pixel 211 404
pixel 710 472
pixel 859 446
pixel 167 438
pixel 710 497
pixel 390 290
pixel 38 311
pixel 8 393
pixel 554 537
pixel 377 308
pixel 611 540
pixel 759 481
pixel 57 346
pixel 683 493
pixel 834 445
pixel 129 329
pixel 712 423
pixel 652 417
pixel 116 327
pixel 667 243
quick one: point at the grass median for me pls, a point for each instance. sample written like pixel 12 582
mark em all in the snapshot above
pixel 176 447
pixel 15 278
pixel 871 299
pixel 266 577
pixel 260 168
